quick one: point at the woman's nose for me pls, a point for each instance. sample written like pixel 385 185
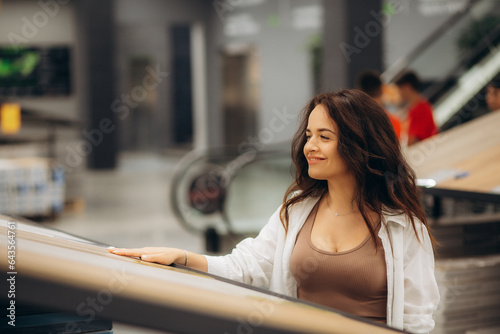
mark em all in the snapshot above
pixel 310 145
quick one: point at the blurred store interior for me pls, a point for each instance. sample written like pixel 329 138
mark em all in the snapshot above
pixel 162 122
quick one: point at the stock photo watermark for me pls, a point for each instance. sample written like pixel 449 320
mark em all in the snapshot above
pixel 11 273
pixel 266 308
pixel 278 123
pixel 418 155
pixel 263 309
pixel 121 107
pixel 222 7
pixel 90 308
pixel 363 35
pixel 212 185
pixel 32 26
pixel 449 294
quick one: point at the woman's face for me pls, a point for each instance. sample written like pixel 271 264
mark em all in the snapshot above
pixel 493 98
pixel 320 149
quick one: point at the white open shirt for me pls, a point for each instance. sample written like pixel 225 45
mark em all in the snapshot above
pixel 412 292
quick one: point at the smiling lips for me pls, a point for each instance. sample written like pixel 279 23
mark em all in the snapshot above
pixel 314 160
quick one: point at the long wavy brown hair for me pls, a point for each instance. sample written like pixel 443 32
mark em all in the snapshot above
pixel 368 145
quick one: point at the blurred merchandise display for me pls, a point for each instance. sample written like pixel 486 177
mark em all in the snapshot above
pixel 470 295
pixel 31 187
pixel 487 330
pixel 51 138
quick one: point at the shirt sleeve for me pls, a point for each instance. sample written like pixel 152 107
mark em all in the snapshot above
pixel 252 260
pixel 421 294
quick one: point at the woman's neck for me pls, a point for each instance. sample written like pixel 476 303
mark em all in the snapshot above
pixel 341 195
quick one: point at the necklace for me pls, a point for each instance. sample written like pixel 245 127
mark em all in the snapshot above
pixel 336 213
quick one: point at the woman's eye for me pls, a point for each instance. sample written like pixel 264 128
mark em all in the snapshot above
pixel 324 137
pixel 308 137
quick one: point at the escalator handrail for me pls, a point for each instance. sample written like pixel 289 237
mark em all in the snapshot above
pixel 431 91
pixel 225 153
pixel 400 65
pixel 262 155
pixel 187 160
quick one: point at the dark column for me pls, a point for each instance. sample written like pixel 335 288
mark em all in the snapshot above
pixel 95 20
pixel 181 83
pixel 352 41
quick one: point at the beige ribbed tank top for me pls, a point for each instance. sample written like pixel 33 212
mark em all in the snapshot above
pixel 353 281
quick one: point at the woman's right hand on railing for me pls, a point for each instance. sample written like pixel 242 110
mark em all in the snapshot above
pixel 164 255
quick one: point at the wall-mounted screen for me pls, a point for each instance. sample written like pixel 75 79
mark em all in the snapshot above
pixel 34 71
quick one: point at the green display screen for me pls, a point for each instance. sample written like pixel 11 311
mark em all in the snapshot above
pixel 34 71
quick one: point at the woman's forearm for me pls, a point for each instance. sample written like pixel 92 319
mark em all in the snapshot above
pixel 196 261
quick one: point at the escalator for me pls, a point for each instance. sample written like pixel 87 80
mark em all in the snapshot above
pixel 228 195
pixel 456 62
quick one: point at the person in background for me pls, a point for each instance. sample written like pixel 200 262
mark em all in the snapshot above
pixel 351 233
pixel 493 94
pixel 370 83
pixel 420 122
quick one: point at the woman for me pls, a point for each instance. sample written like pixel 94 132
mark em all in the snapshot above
pixel 351 233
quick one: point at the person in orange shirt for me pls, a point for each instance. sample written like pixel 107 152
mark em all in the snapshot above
pixel 370 83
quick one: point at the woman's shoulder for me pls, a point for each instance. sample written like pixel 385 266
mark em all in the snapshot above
pixel 401 218
pixel 416 231
pixel 304 205
pixel 301 209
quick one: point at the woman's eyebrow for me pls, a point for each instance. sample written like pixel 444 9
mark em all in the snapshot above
pixel 321 130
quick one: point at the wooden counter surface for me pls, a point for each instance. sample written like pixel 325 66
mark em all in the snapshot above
pixel 466 157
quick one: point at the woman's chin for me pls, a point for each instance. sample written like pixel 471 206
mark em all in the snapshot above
pixel 317 176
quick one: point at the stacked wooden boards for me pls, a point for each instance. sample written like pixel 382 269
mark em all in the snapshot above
pixel 465 158
pixel 57 270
